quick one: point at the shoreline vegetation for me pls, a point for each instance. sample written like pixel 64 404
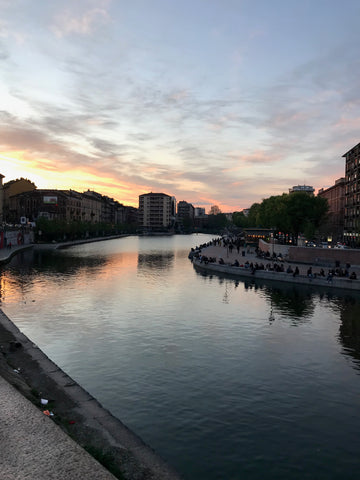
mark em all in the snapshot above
pixel 24 366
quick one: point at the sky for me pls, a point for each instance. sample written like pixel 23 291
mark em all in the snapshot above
pixel 216 102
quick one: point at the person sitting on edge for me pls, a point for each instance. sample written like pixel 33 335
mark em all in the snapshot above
pixel 353 276
pixel 235 264
pixel 309 272
pixel 296 272
pixel 289 269
pixel 221 261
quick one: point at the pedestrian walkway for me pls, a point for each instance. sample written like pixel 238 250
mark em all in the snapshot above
pixel 32 446
pixel 229 257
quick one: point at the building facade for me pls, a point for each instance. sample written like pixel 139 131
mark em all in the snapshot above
pixel 352 196
pixel 185 210
pixel 156 212
pixel 10 189
pixel 335 196
pixel 302 188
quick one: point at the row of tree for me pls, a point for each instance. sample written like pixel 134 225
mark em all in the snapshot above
pixel 60 230
pixel 292 213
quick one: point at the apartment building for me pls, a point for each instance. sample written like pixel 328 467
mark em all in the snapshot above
pixel 156 212
pixel 335 196
pixel 302 188
pixel 185 210
pixel 352 196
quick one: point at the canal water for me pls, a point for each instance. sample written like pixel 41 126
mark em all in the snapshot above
pixel 225 379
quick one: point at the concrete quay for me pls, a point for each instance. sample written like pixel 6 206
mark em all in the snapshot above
pixel 6 254
pixel 219 251
pixel 34 447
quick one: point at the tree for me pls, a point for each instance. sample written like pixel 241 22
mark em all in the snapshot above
pixel 214 210
pixel 240 220
pixel 216 223
pixel 292 213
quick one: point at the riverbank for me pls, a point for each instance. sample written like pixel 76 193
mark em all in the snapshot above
pixel 230 257
pixel 24 366
pixel 6 254
pixel 27 375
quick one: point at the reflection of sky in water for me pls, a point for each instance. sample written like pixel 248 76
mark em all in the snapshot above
pixel 239 371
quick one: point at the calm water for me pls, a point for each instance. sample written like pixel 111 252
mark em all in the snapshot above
pixel 224 379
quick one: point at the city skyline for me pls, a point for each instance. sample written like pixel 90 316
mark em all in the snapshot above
pixel 215 103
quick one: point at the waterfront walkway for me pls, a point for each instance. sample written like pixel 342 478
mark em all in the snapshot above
pixel 32 446
pixel 229 257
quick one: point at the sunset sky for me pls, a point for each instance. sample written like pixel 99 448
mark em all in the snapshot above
pixel 220 102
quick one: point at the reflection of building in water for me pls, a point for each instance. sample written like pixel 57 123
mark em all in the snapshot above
pixel 156 212
pixel 151 261
pixel 350 327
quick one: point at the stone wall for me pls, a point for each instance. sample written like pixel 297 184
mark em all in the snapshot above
pixel 270 247
pixel 324 256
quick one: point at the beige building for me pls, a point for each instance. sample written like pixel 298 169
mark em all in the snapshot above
pixel 156 212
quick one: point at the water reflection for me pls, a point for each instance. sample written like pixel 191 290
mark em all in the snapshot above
pixel 196 362
pixel 349 333
pixel 296 302
pixel 158 261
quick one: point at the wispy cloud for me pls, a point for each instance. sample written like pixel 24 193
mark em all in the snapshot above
pixel 80 18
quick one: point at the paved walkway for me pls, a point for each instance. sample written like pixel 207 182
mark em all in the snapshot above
pixel 32 446
pixel 223 252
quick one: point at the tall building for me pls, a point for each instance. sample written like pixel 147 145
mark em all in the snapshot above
pixel 185 210
pixel 352 196
pixel 156 212
pixel 302 188
pixel 199 212
pixel 335 196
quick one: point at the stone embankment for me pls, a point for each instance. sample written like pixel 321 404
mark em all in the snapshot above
pixel 229 257
pixel 55 444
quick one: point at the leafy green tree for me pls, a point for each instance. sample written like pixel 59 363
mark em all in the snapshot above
pixel 292 213
pixel 216 223
pixel 240 220
pixel 305 213
pixel 254 215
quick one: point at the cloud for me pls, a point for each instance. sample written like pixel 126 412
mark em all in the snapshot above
pixel 69 21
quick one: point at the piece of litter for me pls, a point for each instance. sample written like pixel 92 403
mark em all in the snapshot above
pixel 43 401
pixel 71 422
pixel 46 412
pixel 16 370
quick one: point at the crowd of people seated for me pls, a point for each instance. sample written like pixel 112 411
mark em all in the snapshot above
pixel 275 261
